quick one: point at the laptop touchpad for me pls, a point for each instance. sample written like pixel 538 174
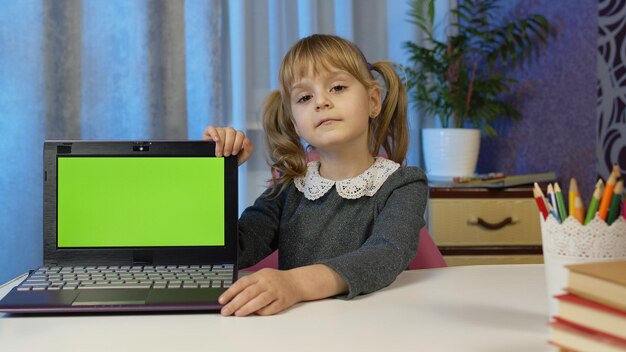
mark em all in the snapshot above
pixel 186 295
pixel 111 297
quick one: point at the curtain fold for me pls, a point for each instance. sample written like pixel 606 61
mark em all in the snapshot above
pixel 206 66
pixel 22 128
pixel 151 69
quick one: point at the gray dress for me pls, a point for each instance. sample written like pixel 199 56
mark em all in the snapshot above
pixel 368 241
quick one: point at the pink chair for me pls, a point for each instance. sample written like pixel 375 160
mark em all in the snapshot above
pixel 428 256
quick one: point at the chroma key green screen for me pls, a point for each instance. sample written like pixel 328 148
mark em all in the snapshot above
pixel 140 202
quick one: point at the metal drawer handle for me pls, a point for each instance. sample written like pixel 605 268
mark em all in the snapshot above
pixel 490 226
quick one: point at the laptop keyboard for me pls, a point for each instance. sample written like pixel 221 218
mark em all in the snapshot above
pixel 128 277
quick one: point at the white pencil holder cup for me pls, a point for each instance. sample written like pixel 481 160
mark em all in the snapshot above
pixel 571 242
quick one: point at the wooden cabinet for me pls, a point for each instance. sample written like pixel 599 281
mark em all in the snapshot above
pixel 485 226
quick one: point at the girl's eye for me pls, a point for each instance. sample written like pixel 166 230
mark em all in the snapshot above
pixel 338 88
pixel 303 99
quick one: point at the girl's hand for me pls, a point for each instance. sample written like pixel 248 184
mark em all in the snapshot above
pixel 270 291
pixel 266 292
pixel 229 141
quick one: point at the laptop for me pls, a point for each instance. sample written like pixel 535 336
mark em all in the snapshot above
pixel 133 226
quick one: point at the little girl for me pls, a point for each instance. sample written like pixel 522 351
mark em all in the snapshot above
pixel 349 223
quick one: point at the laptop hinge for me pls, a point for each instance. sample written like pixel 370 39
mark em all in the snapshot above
pixel 143 257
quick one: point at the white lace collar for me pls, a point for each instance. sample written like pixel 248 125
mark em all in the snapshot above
pixel 314 186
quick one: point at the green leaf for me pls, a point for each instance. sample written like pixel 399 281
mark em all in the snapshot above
pixel 439 81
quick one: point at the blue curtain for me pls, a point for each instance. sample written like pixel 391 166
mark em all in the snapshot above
pixel 151 69
pixel 22 128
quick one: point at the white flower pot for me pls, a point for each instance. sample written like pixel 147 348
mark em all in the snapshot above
pixel 450 152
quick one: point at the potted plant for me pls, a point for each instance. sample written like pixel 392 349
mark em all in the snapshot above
pixel 460 79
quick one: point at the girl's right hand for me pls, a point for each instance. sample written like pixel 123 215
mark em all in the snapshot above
pixel 229 141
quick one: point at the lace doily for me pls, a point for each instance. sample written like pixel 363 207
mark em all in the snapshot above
pixel 314 186
pixel 594 240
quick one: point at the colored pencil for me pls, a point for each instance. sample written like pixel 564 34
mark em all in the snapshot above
pixel 600 185
pixel 541 201
pixel 616 201
pixel 579 210
pixel 551 210
pixel 605 201
pixel 594 203
pixel 572 194
pixel 552 200
pixel 560 202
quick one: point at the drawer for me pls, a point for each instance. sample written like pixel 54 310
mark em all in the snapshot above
pixel 458 260
pixel 455 222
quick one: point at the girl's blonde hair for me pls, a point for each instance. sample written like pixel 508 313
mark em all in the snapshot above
pixel 315 54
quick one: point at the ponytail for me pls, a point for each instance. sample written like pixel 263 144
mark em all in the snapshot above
pixel 287 155
pixel 389 130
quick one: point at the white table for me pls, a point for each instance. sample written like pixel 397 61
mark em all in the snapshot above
pixel 471 308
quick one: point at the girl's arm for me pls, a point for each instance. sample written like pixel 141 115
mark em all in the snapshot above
pixel 394 236
pixel 258 224
pixel 270 291
pixel 387 252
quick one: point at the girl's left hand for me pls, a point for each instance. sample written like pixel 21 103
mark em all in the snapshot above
pixel 266 292
pixel 229 141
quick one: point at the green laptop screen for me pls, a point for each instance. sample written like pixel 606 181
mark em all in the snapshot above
pixel 140 202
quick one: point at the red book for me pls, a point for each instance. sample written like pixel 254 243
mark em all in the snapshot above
pixel 593 315
pixel 582 339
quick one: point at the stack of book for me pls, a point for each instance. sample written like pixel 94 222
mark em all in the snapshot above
pixel 592 314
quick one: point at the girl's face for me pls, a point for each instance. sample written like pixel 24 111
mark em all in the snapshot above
pixel 332 110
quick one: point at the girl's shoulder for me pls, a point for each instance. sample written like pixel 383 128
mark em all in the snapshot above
pixel 410 174
pixel 406 175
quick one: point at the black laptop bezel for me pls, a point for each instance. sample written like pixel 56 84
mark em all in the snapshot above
pixel 54 256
